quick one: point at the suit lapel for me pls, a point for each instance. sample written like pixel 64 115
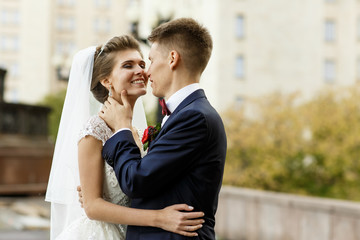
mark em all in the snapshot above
pixel 191 98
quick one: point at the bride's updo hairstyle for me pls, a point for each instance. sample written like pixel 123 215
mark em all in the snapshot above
pixel 104 61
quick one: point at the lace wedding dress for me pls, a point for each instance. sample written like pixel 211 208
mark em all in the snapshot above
pixel 83 227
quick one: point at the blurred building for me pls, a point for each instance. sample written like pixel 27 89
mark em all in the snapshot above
pixel 38 40
pixel 259 46
pixel 265 46
pixel 286 46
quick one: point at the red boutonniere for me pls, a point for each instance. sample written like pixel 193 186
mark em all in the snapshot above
pixel 150 134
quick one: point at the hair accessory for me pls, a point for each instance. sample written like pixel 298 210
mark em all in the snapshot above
pixel 102 47
pixel 101 50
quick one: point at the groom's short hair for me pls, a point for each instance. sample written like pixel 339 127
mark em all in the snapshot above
pixel 189 38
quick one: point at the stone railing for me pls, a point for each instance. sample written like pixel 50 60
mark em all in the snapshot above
pixel 25 151
pixel 245 214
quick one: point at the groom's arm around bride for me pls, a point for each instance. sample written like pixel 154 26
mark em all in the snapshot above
pixel 185 161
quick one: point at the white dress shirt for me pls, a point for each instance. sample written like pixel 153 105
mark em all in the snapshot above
pixel 174 101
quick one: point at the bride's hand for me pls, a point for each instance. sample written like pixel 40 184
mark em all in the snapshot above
pixel 174 219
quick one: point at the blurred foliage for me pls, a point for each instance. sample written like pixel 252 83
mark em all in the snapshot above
pixel 55 102
pixel 286 145
pixel 151 117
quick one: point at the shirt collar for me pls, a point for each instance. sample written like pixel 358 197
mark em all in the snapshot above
pixel 175 99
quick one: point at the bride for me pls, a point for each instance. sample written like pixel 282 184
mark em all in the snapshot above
pixel 77 160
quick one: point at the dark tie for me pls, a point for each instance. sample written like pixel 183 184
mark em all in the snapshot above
pixel 164 110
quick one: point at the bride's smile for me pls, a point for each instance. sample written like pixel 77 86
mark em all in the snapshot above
pixel 128 74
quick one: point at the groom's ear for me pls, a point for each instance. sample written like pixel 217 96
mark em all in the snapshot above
pixel 174 59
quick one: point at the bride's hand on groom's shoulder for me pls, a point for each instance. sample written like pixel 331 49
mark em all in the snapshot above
pixel 180 219
pixel 117 115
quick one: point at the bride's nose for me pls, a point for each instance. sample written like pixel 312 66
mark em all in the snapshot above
pixel 140 71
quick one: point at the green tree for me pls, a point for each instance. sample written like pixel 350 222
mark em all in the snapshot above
pixel 310 148
pixel 56 103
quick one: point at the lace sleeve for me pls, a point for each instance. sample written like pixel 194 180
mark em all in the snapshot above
pixel 97 128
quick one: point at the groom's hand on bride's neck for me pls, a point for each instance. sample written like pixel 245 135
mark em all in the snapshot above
pixel 125 111
pixel 115 115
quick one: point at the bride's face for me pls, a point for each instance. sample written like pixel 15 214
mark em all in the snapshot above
pixel 128 74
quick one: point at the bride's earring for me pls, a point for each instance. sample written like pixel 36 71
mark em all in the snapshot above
pixel 110 91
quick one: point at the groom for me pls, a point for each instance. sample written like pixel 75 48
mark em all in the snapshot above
pixel 185 161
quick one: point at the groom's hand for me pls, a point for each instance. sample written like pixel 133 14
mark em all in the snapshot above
pixel 115 115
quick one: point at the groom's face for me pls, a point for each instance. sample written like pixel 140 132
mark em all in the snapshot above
pixel 159 71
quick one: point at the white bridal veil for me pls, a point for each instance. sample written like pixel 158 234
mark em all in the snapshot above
pixel 79 105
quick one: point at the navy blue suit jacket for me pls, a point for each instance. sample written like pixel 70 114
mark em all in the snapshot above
pixel 184 164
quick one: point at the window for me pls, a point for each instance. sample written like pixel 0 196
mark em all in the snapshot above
pixel 64 3
pixel 3 43
pixel 102 3
pixel 9 43
pixel 14 70
pixel 240 33
pixel 96 25
pixel 239 67
pixel 358 28
pixel 14 98
pixel 3 16
pixel 59 23
pixel 9 17
pixel 71 47
pixel 107 25
pixel 15 43
pixel 65 23
pixel 16 17
pixel 330 31
pixel 329 71
pixel 60 2
pixel 239 102
pixel 59 47
pixel 71 23
pixel 64 47
pixel 102 25
pixel 107 3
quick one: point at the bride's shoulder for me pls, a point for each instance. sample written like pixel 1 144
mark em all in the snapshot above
pixel 95 120
pixel 96 127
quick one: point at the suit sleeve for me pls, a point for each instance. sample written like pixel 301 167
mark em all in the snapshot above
pixel 171 156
